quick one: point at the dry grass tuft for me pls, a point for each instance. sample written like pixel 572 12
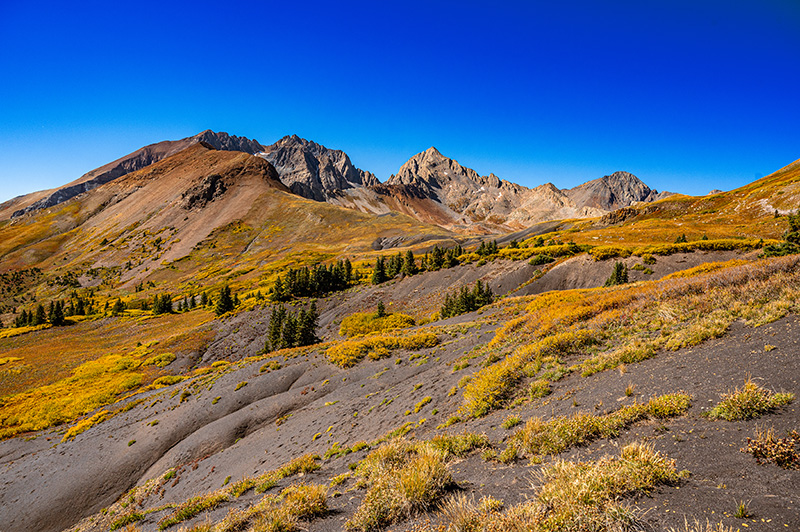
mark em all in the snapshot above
pixel 749 402
pixel 404 478
pixel 539 437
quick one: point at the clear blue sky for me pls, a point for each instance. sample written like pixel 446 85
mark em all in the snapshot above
pixel 689 96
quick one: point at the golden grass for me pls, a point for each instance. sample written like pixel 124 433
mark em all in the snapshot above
pixel 539 437
pixel 725 244
pixel 93 384
pixel 570 496
pixel 604 327
pixel 348 353
pixel 748 402
pixel 361 323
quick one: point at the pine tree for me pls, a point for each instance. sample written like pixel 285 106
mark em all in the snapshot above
pixel 381 311
pixel 308 325
pixel 118 308
pixel 289 333
pixel 619 275
pixel 204 299
pixel 40 317
pixel 410 264
pixel 58 314
pixel 348 271
pixel 275 328
pixel 379 273
pixel 224 301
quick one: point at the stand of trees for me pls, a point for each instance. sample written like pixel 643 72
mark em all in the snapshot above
pixel 317 281
pixel 619 275
pixel 288 329
pixel 387 268
pixel 791 239
pixel 466 300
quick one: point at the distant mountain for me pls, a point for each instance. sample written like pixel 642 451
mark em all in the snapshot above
pixel 612 192
pixel 130 163
pixel 314 171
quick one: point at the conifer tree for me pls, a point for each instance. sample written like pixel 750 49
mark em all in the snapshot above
pixel 410 264
pixel 619 275
pixel 224 301
pixel 379 273
pixel 118 308
pixel 275 327
pixel 381 310
pixel 40 317
pixel 58 314
pixel 289 333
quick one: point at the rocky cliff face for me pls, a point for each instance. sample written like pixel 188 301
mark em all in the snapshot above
pixel 136 161
pixel 612 192
pixel 314 171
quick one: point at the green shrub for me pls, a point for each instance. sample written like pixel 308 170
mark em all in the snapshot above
pixel 541 259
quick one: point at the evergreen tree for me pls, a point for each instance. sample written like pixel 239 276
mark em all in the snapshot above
pixel 410 264
pixel 379 273
pixel 162 304
pixel 224 301
pixel 307 333
pixel 681 239
pixel 466 300
pixel 381 311
pixel 40 317
pixel 289 333
pixel 58 314
pixel 619 275
pixel 348 271
pixel 118 308
pixel 275 327
pixel 204 299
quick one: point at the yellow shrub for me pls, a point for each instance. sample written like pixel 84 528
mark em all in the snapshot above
pixel 161 360
pixel 168 380
pixel 350 352
pixel 705 268
pixel 362 323
pixel 92 385
pixel 610 252
pixel 492 385
pixel 85 425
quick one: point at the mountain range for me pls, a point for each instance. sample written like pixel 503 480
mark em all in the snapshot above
pixel 429 187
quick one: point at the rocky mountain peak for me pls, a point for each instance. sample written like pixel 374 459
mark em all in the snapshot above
pixel 223 141
pixel 312 170
pixel 612 192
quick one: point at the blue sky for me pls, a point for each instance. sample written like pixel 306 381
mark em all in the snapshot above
pixel 689 96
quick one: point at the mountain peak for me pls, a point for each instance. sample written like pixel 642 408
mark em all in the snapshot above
pixel 312 170
pixel 612 192
pixel 433 151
